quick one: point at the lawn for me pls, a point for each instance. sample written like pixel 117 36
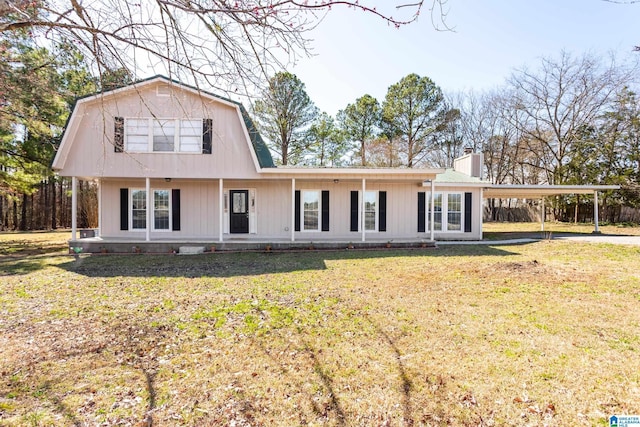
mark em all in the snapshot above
pixel 545 333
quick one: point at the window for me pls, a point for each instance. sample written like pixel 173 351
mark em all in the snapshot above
pixel 447 211
pixel 454 211
pixel 437 217
pixel 163 135
pixel 161 210
pixel 370 204
pixel 137 134
pixel 138 209
pixel 311 210
pixel 190 136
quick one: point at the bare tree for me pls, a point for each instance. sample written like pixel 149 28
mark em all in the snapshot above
pixel 229 44
pixel 556 102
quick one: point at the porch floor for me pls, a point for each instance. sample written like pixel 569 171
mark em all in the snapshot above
pixel 129 245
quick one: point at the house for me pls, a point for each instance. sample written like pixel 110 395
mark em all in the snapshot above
pixel 177 165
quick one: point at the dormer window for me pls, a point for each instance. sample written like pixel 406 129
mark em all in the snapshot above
pixel 153 135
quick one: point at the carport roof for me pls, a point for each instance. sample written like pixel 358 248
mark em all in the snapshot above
pixel 508 191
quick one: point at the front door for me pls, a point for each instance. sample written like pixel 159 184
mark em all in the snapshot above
pixel 239 221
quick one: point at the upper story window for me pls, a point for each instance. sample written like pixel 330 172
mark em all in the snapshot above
pixel 150 135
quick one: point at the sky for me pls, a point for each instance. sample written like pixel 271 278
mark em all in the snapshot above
pixel 356 53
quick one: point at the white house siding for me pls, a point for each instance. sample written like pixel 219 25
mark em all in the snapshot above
pixel 92 152
pixel 198 208
pixel 271 217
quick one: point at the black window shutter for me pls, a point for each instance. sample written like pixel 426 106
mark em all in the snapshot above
pixel 124 209
pixel 422 211
pixel 382 215
pixel 207 126
pixel 354 211
pixel 175 209
pixel 297 211
pixel 118 134
pixel 467 212
pixel 325 210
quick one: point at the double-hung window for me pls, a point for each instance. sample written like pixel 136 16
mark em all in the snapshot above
pixel 136 135
pixel 370 210
pixel 311 209
pixel 454 211
pixel 138 209
pixel 437 211
pixel 161 203
pixel 447 212
pixel 163 135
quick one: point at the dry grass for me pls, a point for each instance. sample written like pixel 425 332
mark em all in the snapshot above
pixel 538 334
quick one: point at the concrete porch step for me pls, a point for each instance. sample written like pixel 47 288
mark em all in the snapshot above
pixel 191 250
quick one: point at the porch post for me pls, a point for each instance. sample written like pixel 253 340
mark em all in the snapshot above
pixel 542 214
pixel 149 208
pixel 99 189
pixel 221 209
pixel 595 212
pixel 362 215
pixel 74 208
pixel 293 209
pixel 433 207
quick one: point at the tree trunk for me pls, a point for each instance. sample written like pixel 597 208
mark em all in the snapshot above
pixel 23 212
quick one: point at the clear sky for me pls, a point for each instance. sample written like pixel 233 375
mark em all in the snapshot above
pixel 356 53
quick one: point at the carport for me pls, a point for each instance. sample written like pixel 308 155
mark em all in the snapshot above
pixel 515 191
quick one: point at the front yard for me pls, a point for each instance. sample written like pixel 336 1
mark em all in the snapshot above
pixel 538 334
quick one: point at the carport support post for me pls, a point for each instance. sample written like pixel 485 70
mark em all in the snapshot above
pixel 74 207
pixel 293 209
pixel 595 212
pixel 542 214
